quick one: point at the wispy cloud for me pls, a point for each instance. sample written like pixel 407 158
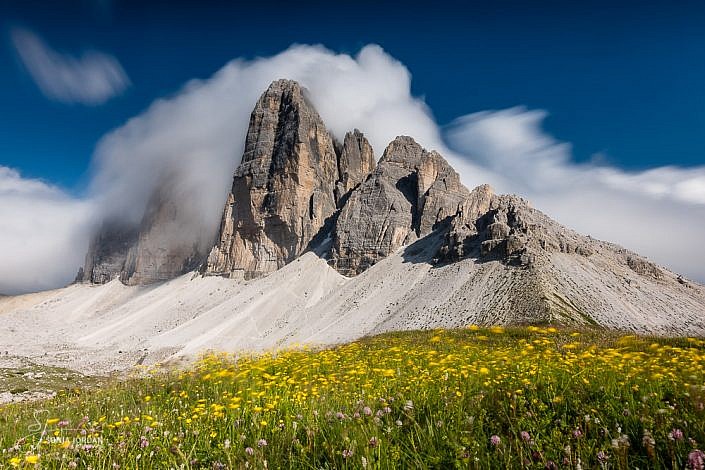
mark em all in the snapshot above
pixel 513 144
pixel 91 79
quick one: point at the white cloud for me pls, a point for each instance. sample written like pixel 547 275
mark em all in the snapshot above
pixel 199 133
pixel 512 144
pixel 92 79
pixel 43 234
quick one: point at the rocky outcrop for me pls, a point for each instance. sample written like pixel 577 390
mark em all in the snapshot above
pixel 284 190
pixel 509 230
pixel 168 244
pixel 645 268
pixel 408 195
pixel 463 226
pixel 441 195
pixel 378 217
pixel 515 232
pixel 356 161
pixel 506 228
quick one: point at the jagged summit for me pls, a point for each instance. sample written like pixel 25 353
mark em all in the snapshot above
pixel 298 189
pixel 292 179
pixel 406 197
pixel 356 161
pixel 284 189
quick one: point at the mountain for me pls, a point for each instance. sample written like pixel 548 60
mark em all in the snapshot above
pixel 410 194
pixel 284 189
pixel 320 242
pixel 99 328
pixel 162 246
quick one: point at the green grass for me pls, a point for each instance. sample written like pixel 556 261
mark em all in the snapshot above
pixel 472 398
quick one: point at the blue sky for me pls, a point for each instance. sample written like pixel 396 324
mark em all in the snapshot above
pixel 623 81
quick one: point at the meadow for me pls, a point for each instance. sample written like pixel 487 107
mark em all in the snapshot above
pixel 533 397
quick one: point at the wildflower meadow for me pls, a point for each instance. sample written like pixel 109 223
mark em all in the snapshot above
pixel 534 397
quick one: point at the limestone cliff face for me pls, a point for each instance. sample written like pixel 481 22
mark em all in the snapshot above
pixel 108 252
pixel 440 192
pixel 284 189
pixel 356 161
pixel 168 244
pixel 410 193
pixel 378 217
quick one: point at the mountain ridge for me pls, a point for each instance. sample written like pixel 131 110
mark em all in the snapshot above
pixel 299 190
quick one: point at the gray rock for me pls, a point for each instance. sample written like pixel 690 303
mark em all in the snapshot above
pixel 108 252
pixel 378 218
pixel 644 267
pixel 463 226
pixel 512 231
pixel 440 192
pixel 168 244
pixel 356 161
pixel 283 191
pixel 410 194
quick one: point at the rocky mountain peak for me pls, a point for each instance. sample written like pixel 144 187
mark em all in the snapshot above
pixel 167 242
pixel 409 194
pixel 356 161
pixel 403 151
pixel 298 189
pixel 284 189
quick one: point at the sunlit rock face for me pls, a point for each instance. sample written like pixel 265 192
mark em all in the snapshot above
pixel 410 194
pixel 284 190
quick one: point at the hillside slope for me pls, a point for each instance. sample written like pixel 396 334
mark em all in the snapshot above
pixel 113 326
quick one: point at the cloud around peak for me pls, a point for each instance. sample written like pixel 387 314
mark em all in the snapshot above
pixel 91 79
